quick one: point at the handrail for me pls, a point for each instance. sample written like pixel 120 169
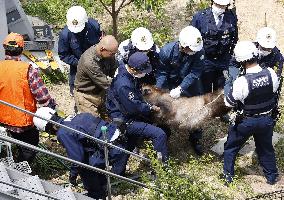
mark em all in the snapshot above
pixel 76 131
pixel 34 148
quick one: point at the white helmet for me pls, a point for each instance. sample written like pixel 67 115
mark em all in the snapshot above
pixel 222 2
pixel 191 37
pixel 46 113
pixel 76 18
pixel 142 39
pixel 245 50
pixel 266 37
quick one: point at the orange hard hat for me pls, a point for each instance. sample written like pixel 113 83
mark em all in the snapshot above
pixel 14 40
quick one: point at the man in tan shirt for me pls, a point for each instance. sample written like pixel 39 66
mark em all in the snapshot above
pixel 95 69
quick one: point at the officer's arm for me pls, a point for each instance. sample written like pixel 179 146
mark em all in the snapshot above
pixel 133 102
pixel 98 77
pixel 194 21
pixel 233 72
pixel 95 24
pixel 275 79
pixel 65 52
pixel 195 71
pixel 238 92
pixel 163 69
pixel 279 63
pixel 236 35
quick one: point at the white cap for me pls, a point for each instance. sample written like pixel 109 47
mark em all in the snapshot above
pixel 191 37
pixel 266 37
pixel 222 2
pixel 76 18
pixel 245 50
pixel 46 113
pixel 142 39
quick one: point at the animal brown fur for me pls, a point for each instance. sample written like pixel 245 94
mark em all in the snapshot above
pixel 185 113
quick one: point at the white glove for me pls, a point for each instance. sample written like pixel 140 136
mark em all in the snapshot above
pixel 175 93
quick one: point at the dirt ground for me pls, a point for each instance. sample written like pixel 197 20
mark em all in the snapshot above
pixel 251 15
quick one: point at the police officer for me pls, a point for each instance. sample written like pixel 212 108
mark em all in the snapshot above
pixel 180 69
pixel 125 102
pixel 79 35
pixel 254 93
pixel 269 55
pixel 218 27
pixel 82 149
pixel 141 40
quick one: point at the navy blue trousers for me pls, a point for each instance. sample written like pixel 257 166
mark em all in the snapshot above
pixel 261 128
pixel 150 132
pixel 94 182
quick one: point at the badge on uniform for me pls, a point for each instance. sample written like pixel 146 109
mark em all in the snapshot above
pixel 226 34
pixel 202 57
pixel 130 96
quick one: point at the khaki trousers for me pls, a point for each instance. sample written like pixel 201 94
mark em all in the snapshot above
pixel 88 103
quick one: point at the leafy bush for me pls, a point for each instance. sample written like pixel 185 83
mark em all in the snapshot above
pixel 53 77
pixel 157 24
pixel 279 151
pixel 280 122
pixel 173 185
pixel 192 6
pixel 149 5
pixel 54 11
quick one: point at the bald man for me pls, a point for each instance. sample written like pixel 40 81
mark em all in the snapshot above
pixel 95 69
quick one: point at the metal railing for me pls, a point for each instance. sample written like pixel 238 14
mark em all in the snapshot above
pixel 105 143
pixel 76 131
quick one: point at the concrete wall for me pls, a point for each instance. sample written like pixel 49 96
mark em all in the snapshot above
pixel 3 25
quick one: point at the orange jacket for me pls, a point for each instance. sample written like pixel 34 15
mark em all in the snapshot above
pixel 15 89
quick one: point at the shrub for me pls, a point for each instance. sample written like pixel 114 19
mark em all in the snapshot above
pixel 53 77
pixel 157 24
pixel 176 186
pixel 279 151
pixel 54 11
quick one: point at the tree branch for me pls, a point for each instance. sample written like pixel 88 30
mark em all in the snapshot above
pixel 122 2
pixel 104 5
pixel 122 5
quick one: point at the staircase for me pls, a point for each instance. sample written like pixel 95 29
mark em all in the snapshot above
pixel 16 183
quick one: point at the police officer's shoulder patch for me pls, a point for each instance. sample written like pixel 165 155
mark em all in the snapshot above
pixel 131 96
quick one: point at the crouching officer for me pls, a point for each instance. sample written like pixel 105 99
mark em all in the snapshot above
pixel 255 92
pixel 141 40
pixel 180 69
pixel 125 102
pixel 84 150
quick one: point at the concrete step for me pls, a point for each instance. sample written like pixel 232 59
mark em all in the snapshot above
pixel 33 183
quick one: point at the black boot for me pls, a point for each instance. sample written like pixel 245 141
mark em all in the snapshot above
pixel 73 180
pixel 194 139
